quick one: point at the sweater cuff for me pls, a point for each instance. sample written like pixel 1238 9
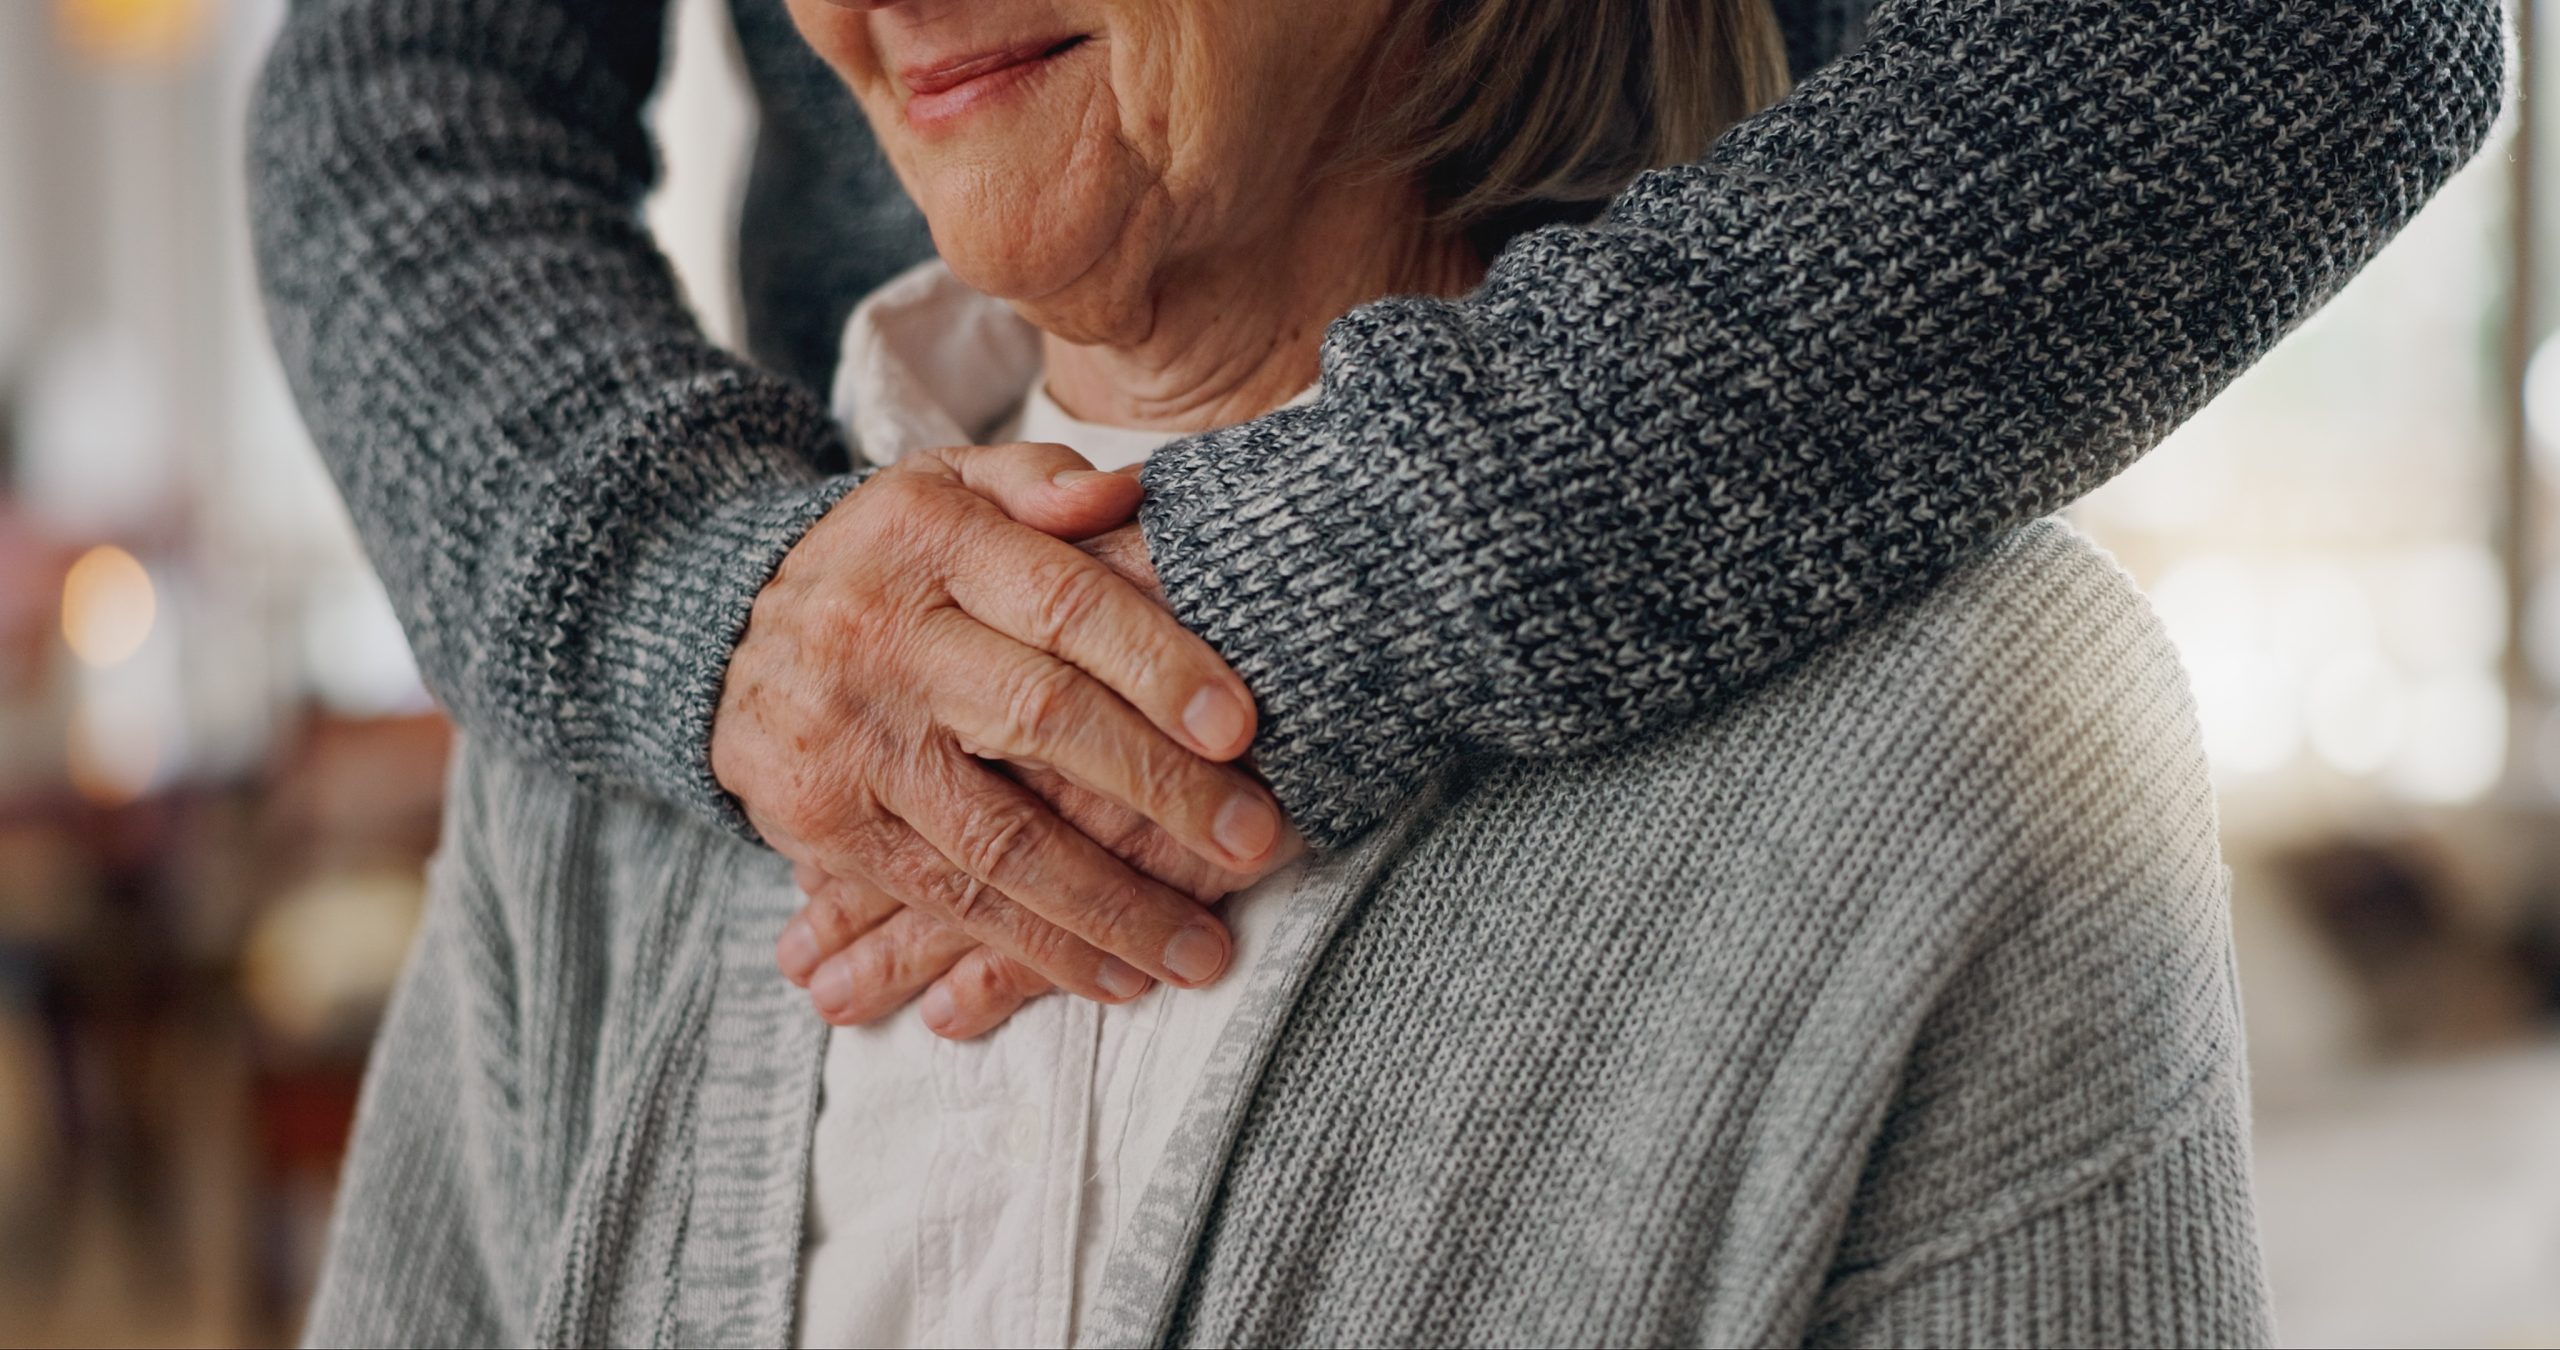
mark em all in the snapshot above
pixel 657 536
pixel 667 654
pixel 1311 554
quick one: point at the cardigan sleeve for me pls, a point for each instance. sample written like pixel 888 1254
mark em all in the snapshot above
pixel 1957 279
pixel 421 1247
pixel 571 494
pixel 2161 1250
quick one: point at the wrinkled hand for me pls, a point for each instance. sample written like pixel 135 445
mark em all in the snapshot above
pixel 862 955
pixel 936 616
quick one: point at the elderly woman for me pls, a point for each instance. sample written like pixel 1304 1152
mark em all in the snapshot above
pixel 1890 1003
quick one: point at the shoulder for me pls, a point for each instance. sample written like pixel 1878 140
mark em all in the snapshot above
pixel 2024 655
pixel 2032 743
pixel 1977 836
pixel 2038 683
pixel 2008 758
pixel 2026 707
pixel 2005 773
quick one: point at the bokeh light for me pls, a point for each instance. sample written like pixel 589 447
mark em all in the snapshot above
pixel 108 605
pixel 155 32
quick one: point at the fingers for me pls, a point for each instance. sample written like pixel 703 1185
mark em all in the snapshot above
pixel 1142 844
pixel 884 969
pixel 1027 707
pixel 1058 599
pixel 1004 868
pixel 982 841
pixel 862 978
pixel 1050 488
pixel 837 914
pixel 1124 551
pixel 830 737
pixel 981 993
pixel 862 956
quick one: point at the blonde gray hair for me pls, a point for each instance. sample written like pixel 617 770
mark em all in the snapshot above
pixel 1516 113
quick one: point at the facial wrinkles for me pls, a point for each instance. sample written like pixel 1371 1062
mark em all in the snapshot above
pixel 1258 260
pixel 1160 217
pixel 1099 302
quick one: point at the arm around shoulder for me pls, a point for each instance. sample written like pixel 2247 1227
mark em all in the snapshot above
pixel 572 496
pixel 1957 279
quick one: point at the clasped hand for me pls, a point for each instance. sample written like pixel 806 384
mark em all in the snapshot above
pixel 996 762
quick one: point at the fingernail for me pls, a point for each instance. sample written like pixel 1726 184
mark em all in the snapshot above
pixel 1194 955
pixel 1215 720
pixel 1119 979
pixel 937 1008
pixel 833 987
pixel 798 950
pixel 1067 478
pixel 1246 828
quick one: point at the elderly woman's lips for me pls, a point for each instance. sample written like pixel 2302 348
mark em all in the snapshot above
pixel 940 91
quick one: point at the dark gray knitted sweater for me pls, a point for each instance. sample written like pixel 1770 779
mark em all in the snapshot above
pixel 1962 275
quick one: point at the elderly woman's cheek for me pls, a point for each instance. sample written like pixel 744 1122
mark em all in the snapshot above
pixel 1065 203
pixel 1252 90
pixel 839 35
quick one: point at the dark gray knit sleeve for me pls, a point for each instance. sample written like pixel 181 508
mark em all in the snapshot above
pixel 1957 279
pixel 571 494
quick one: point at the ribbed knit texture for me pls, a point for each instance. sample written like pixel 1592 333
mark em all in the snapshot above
pixel 1892 1003
pixel 1961 276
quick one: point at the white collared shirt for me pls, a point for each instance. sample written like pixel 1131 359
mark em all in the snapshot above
pixel 968 1193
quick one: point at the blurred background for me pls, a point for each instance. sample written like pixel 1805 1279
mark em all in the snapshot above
pixel 219 774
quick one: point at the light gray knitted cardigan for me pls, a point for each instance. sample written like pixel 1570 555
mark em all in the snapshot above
pixel 1891 1004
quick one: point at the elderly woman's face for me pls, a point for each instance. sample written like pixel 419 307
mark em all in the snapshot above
pixel 1070 152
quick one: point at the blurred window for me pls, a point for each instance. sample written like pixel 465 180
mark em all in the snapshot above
pixel 2329 542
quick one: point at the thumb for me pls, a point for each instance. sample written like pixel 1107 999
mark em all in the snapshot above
pixel 1050 488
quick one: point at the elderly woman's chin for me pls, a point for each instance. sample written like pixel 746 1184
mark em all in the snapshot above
pixel 1068 252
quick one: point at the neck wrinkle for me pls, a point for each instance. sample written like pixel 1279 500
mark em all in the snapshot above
pixel 1234 335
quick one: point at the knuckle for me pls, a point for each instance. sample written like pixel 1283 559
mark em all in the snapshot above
pixel 875 965
pixel 1068 595
pixel 990 982
pixel 902 484
pixel 852 623
pixel 916 518
pixel 971 902
pixel 1119 918
pixel 844 823
pixel 1150 657
pixel 1167 780
pixel 828 921
pixel 1045 947
pixel 1046 783
pixel 1042 706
